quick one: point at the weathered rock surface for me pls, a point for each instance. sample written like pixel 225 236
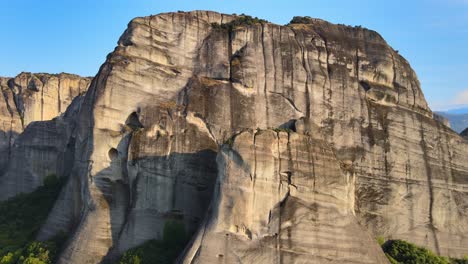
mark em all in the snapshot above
pixel 30 150
pixel 368 158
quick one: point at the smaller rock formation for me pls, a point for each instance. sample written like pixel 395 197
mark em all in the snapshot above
pixel 464 133
pixel 32 150
pixel 441 119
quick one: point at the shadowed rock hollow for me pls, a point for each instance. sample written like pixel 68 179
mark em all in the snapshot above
pixel 273 144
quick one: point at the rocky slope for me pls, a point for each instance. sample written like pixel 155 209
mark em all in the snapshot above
pixel 30 149
pixel 273 144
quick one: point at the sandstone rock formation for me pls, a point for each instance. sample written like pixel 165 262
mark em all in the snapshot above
pixel 29 157
pixel 288 144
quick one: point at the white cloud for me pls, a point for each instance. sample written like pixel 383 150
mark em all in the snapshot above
pixel 461 98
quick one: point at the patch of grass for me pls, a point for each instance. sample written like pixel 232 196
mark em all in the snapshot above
pixel 21 218
pixel 380 240
pixel 163 251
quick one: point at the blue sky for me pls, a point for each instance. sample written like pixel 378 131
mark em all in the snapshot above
pixel 75 36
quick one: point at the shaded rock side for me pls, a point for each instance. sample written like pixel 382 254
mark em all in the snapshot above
pixel 30 97
pixel 177 87
pixel 44 148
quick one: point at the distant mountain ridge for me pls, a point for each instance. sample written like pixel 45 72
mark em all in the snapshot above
pixel 457 111
pixel 457 118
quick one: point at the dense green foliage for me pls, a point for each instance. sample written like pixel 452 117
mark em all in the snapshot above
pixel 20 220
pixel 398 251
pixel 242 20
pixel 33 253
pixel 163 251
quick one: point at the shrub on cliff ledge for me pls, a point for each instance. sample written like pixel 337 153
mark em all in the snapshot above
pixel 242 20
pixel 301 20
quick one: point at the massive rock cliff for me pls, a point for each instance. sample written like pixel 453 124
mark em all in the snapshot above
pixel 273 144
pixel 30 150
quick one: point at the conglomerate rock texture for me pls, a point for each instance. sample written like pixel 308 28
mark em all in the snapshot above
pixel 29 149
pixel 273 144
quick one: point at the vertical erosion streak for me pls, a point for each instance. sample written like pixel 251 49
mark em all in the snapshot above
pixel 229 51
pixel 325 41
pixel 357 65
pixel 429 184
pixel 59 100
pixel 131 191
pixel 42 100
pixel 394 82
pixel 267 110
pixel 307 71
pixel 327 94
pixel 278 236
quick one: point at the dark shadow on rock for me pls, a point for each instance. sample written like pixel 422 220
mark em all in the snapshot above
pixel 152 191
pixel 7 139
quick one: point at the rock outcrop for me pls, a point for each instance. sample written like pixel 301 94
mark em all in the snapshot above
pixel 443 120
pixel 289 144
pixel 30 149
pixel 464 133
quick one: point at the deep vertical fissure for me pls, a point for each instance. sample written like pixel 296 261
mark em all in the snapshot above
pixel 59 100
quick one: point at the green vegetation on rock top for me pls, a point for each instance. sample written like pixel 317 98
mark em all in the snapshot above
pixel 242 20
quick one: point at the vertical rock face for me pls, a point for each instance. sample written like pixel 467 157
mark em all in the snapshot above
pixel 32 150
pixel 184 108
pixel 282 198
